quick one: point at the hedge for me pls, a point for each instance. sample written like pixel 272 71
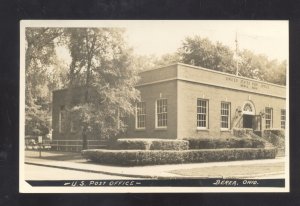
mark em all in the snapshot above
pixel 218 143
pixel 277 132
pixel 155 157
pixel 241 132
pixel 150 144
pixel 276 137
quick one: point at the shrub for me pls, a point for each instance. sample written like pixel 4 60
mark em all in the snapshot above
pixel 238 132
pixel 129 144
pixel 150 144
pixel 154 157
pixel 169 145
pixel 232 142
pixel 277 132
pixel 275 136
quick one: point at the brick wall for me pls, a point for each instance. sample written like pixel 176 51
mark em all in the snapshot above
pixel 149 94
pixel 188 93
pixel 184 84
pixel 67 98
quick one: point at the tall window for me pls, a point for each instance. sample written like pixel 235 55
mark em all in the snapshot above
pixel 62 119
pixel 225 115
pixel 72 126
pixel 282 119
pixel 162 113
pixel 269 117
pixel 140 120
pixel 202 113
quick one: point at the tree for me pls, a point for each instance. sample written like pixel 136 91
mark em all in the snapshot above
pixel 39 56
pixel 261 68
pixel 216 56
pixel 202 52
pixel 101 63
pixel 167 59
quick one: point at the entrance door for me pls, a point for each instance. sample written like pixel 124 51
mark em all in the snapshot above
pixel 247 121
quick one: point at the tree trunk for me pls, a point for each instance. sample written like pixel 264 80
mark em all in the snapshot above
pixel 86 99
pixel 84 138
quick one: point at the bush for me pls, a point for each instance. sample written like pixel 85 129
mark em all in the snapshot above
pixel 217 143
pixel 129 144
pixel 275 136
pixel 277 132
pixel 150 144
pixel 169 145
pixel 241 132
pixel 155 157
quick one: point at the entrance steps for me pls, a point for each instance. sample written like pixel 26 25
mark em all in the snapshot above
pixel 268 144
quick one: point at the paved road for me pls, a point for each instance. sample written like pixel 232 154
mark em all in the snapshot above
pixel 33 172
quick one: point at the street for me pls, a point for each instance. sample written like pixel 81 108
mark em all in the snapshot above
pixel 33 172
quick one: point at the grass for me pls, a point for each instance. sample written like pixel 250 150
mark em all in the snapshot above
pixel 54 155
pixel 252 169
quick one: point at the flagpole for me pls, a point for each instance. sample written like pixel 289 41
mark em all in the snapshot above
pixel 236 53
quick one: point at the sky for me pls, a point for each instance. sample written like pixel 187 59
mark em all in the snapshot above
pixel 160 37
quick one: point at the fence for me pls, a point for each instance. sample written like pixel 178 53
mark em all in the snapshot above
pixel 68 145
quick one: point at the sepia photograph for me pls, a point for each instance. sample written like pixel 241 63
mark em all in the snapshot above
pixel 148 106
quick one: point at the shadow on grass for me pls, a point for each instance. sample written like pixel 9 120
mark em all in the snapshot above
pixel 56 156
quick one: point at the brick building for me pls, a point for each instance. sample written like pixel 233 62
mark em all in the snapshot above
pixel 67 132
pixel 183 101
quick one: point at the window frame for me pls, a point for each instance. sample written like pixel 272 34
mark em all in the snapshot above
pixel 282 126
pixel 267 126
pixel 228 116
pixel 137 116
pixel 206 114
pixel 72 126
pixel 162 113
pixel 61 117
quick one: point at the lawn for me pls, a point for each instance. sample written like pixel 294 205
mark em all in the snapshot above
pixel 227 171
pixel 55 155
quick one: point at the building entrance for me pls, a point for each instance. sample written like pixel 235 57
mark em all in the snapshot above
pixel 248 121
pixel 252 122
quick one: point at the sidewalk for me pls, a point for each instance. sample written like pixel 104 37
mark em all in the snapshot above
pixel 269 168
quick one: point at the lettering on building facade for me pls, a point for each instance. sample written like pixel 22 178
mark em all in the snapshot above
pixel 247 84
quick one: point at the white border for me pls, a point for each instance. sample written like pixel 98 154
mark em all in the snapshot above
pixel 26 188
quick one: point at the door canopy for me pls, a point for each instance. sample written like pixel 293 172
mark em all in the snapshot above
pixel 248 108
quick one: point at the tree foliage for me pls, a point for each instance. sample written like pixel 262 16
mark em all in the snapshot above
pixel 216 56
pixel 102 60
pixel 261 68
pixel 39 57
pixel 202 52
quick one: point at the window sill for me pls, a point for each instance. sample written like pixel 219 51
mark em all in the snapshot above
pixel 202 129
pixel 225 130
pixel 161 128
pixel 139 129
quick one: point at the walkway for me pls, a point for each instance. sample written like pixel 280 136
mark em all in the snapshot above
pixel 270 168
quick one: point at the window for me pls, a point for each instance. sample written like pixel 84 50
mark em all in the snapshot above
pixel 202 114
pixel 269 117
pixel 72 126
pixel 282 119
pixel 62 119
pixel 140 120
pixel 162 113
pixel 225 115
